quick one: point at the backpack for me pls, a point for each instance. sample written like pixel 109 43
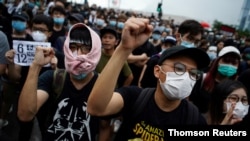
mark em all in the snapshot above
pixel 143 98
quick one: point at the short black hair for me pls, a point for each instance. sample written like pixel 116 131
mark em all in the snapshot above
pixel 59 9
pixel 81 34
pixel 190 26
pixel 110 30
pixel 43 19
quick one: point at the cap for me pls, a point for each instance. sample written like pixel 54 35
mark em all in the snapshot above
pixel 229 49
pixel 156 31
pixel 21 15
pixel 169 39
pixel 246 50
pixel 198 55
pixel 76 16
pixel 108 29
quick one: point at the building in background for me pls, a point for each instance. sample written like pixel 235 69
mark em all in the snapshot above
pixel 245 16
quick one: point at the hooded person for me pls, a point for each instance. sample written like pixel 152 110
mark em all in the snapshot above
pixel 81 39
pixel 68 118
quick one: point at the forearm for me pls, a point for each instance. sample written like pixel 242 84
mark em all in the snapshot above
pixel 14 72
pixel 104 86
pixel 134 58
pixel 128 80
pixel 106 131
pixel 2 68
pixel 27 103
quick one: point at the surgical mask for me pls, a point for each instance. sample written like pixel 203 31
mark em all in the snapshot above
pixel 161 28
pixel 156 36
pixel 162 39
pixel 187 44
pixel 100 22
pixel 167 29
pixel 248 56
pixel 80 76
pixel 120 25
pixel 38 3
pixel 59 21
pixel 31 5
pixel 93 12
pixel 19 26
pixel 240 110
pixel 112 23
pixel 227 70
pixel 177 87
pixel 212 55
pixel 39 36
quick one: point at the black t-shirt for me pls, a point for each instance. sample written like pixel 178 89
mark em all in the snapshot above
pixel 69 118
pixel 55 35
pixel 152 122
pixel 147 48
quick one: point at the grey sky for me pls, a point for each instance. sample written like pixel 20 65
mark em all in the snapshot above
pixel 227 11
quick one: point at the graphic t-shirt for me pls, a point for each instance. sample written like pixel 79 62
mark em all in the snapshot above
pixel 152 122
pixel 69 119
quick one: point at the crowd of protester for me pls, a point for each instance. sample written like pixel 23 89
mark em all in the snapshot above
pixel 107 57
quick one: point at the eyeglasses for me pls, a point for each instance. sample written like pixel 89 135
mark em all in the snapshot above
pixel 235 99
pixel 84 48
pixel 180 69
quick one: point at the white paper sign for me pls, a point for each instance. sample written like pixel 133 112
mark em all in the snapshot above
pixel 25 51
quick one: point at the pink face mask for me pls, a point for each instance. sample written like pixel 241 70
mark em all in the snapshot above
pixel 85 63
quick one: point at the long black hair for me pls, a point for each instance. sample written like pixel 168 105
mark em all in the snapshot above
pixel 218 95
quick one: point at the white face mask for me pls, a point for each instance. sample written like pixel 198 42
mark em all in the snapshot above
pixel 177 87
pixel 240 110
pixel 39 36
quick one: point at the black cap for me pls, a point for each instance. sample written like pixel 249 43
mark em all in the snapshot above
pixel 21 15
pixel 199 56
pixel 76 16
pixel 109 29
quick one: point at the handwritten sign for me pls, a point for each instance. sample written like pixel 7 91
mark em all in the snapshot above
pixel 25 51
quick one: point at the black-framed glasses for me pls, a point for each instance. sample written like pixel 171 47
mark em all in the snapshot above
pixel 235 99
pixel 180 69
pixel 75 47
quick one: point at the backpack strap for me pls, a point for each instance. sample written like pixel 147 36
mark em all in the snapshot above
pixel 192 114
pixel 141 101
pixel 58 81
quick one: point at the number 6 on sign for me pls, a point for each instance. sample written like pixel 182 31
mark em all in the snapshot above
pixel 25 51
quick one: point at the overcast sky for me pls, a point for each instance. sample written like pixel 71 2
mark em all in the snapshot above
pixel 227 11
